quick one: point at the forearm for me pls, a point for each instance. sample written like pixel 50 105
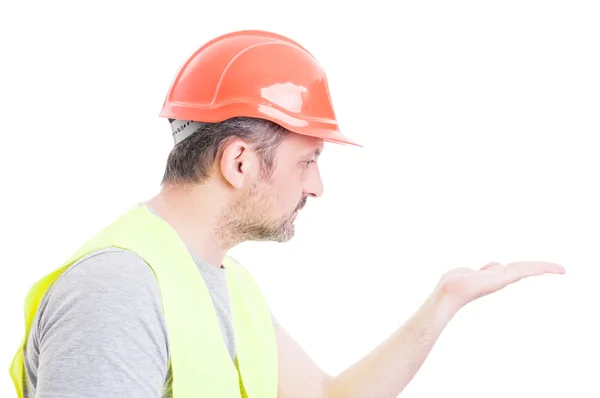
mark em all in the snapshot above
pixel 387 370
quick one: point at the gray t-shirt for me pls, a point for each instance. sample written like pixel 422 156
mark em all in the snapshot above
pixel 100 330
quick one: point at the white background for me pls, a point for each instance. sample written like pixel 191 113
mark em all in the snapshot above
pixel 480 122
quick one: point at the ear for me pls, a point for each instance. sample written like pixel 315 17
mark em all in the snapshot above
pixel 238 163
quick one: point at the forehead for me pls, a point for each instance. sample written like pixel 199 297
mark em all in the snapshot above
pixel 302 144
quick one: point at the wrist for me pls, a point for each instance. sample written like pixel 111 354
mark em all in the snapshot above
pixel 443 305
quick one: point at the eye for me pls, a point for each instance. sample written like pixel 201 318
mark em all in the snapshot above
pixel 308 162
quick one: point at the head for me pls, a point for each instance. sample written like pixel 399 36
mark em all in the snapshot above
pixel 262 172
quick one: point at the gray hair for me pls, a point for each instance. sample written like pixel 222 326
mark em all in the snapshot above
pixel 193 156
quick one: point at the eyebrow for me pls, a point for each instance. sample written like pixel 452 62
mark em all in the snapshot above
pixel 316 153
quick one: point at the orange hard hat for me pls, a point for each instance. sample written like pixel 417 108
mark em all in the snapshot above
pixel 257 74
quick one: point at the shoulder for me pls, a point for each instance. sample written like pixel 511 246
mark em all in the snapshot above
pixel 111 265
pixel 109 279
pixel 105 309
pixel 109 282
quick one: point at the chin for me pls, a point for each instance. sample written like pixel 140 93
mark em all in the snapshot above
pixel 286 233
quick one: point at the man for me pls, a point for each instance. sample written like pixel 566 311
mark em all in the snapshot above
pixel 153 306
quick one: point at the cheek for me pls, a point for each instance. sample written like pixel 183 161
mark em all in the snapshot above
pixel 290 192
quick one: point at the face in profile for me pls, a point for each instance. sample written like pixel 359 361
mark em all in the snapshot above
pixel 266 211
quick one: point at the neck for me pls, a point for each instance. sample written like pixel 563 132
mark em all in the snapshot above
pixel 195 215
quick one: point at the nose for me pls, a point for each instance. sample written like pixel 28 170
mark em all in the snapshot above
pixel 313 186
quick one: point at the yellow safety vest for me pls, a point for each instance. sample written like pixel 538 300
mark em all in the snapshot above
pixel 202 366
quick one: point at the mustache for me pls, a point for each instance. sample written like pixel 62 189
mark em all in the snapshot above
pixel 302 203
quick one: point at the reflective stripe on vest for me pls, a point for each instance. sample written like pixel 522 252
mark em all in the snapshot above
pixel 202 366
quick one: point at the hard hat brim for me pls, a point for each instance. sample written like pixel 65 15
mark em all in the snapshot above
pixel 324 129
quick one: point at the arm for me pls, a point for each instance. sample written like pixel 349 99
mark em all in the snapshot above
pixel 100 332
pixel 388 369
pixel 382 373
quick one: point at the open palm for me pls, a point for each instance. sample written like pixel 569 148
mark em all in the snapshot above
pixel 464 285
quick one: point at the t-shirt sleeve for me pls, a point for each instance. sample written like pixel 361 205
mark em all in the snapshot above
pixel 100 332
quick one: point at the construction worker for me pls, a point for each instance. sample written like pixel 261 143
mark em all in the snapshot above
pixel 152 306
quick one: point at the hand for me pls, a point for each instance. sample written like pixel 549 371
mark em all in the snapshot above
pixel 463 285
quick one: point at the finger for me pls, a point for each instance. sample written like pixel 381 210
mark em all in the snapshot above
pixel 524 269
pixel 543 267
pixel 493 265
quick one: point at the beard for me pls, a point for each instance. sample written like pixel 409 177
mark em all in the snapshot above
pixel 248 218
